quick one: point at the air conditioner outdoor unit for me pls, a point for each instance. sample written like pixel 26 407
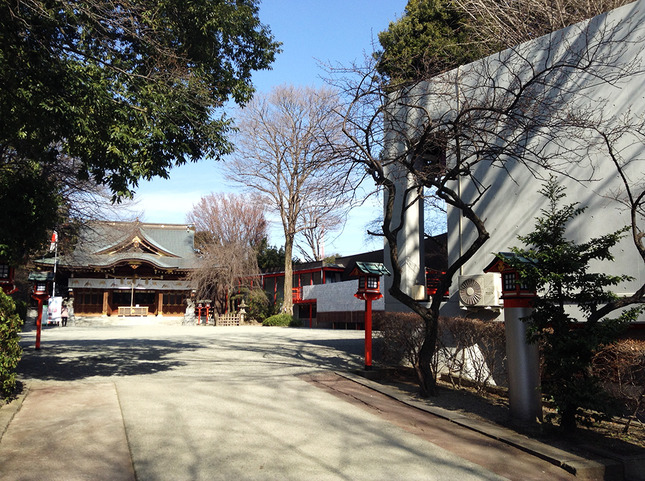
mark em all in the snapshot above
pixel 480 290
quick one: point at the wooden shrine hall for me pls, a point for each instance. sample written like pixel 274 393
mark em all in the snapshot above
pixel 127 268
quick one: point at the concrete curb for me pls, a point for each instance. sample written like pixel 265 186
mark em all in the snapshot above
pixel 577 465
pixel 8 411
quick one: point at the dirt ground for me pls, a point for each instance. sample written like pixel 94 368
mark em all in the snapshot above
pixel 492 406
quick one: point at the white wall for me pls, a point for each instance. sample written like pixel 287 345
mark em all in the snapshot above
pixel 339 297
pixel 512 202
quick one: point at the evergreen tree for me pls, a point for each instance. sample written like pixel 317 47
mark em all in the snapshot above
pixel 569 337
pixel 270 256
pixel 432 37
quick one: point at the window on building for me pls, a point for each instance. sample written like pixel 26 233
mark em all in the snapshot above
pixel 173 299
pixel 4 271
pixel 331 277
pixel 90 298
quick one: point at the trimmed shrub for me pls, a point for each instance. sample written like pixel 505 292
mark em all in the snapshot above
pixel 10 352
pixel 621 369
pixel 469 349
pixel 295 323
pixel 401 335
pixel 259 306
pixel 282 320
pixel 472 349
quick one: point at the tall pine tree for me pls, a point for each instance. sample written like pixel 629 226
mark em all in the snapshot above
pixel 568 293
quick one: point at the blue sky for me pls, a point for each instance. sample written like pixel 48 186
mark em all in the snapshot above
pixel 327 31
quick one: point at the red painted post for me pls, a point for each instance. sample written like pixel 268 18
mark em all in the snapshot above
pixel 39 322
pixel 368 333
pixel 369 289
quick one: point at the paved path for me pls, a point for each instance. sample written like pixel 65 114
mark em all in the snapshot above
pixel 152 403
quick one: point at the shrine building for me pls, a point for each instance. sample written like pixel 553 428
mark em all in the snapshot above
pixel 127 268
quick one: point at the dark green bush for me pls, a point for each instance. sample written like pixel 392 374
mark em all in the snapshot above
pixel 282 320
pixel 295 323
pixel 259 305
pixel 10 352
pixel 21 309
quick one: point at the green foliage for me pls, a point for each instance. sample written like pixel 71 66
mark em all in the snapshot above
pixel 21 308
pixel 282 320
pixel 124 90
pixel 128 88
pixel 270 256
pixel 295 323
pixel 10 352
pixel 432 37
pixel 560 272
pixel 28 195
pixel 259 305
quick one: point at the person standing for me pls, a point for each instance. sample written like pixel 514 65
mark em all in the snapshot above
pixel 64 313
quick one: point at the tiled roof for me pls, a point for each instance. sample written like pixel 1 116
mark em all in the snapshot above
pixel 102 244
pixel 374 268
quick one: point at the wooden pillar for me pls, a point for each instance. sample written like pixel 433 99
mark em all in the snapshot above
pixel 160 303
pixel 106 304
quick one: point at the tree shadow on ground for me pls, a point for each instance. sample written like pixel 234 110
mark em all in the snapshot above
pixel 76 360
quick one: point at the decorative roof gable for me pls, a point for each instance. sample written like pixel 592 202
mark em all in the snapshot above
pixel 106 244
pixel 136 243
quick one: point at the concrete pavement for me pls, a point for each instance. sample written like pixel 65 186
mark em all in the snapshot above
pixel 163 402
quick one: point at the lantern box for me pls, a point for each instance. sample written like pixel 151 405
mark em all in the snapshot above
pixel 42 283
pixel 369 279
pixel 512 286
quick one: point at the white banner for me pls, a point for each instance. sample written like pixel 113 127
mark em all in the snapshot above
pixel 124 283
pixel 54 306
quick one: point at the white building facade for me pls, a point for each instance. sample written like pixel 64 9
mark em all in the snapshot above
pixel 537 110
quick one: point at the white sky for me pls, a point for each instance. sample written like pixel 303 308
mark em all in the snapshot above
pixel 312 31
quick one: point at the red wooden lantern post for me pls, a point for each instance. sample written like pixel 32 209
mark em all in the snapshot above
pixel 7 274
pixel 203 306
pixel 369 289
pixel 523 359
pixel 42 285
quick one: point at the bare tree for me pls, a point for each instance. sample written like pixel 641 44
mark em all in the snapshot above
pixel 619 144
pixel 285 151
pixel 229 219
pixel 229 230
pixel 510 22
pixel 321 224
pixel 225 269
pixel 530 108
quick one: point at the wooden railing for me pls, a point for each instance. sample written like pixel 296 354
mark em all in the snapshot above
pixel 432 282
pixel 133 311
pixel 296 294
pixel 227 320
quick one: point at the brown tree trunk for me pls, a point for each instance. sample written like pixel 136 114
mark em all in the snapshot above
pixel 426 376
pixel 287 304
